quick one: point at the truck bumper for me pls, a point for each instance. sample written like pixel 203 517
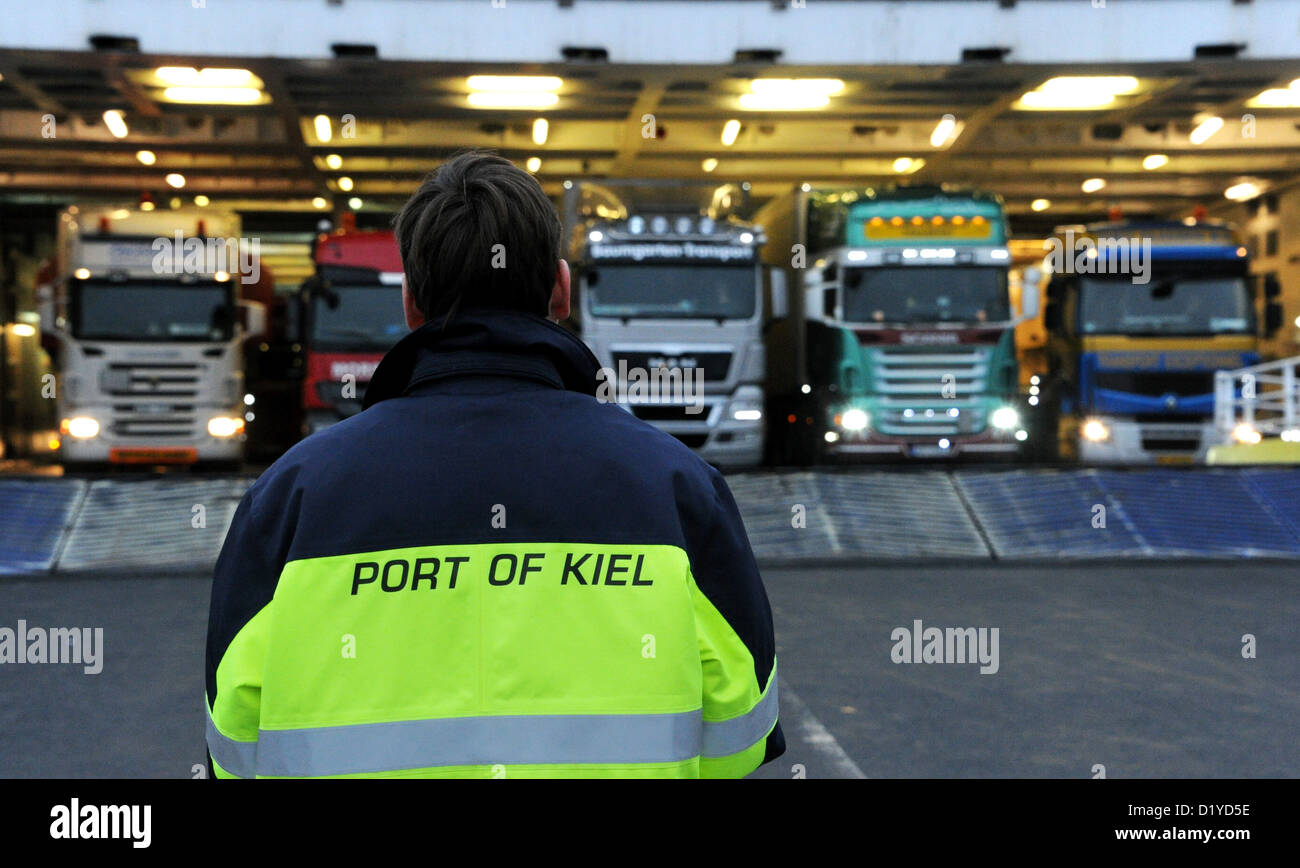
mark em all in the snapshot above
pixel 928 447
pixel 1133 442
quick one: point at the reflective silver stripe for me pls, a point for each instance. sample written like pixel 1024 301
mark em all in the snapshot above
pixel 725 737
pixel 237 757
pixel 594 739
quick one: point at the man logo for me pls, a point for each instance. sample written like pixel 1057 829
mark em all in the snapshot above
pixel 673 362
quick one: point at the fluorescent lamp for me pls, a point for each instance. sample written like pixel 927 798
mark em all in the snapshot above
pixel 1205 129
pixel 116 123
pixel 541 128
pixel 514 83
pixel 730 130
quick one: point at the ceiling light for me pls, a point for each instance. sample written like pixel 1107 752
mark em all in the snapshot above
pixel 944 131
pixel 146 157
pixel 1275 97
pixel 334 161
pixel 354 203
pixel 1242 192
pixel 202 201
pixel 541 128
pixel 319 202
pixel 207 77
pixel 1077 92
pixel 534 164
pixel 902 164
pixel 1205 129
pixel 323 130
pixel 1092 185
pixel 345 184
pixel 116 123
pixel 514 83
pixel 1155 161
pixel 1040 204
pixel 730 130
pixel 513 100
pixel 215 95
pixel 709 164
pixel 790 94
pixel 175 179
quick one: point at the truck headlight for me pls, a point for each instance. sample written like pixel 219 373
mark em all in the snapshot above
pixel 1247 434
pixel 854 420
pixel 1005 418
pixel 225 426
pixel 746 409
pixel 80 427
pixel 1095 430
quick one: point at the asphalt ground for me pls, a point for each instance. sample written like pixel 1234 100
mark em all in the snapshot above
pixel 1137 668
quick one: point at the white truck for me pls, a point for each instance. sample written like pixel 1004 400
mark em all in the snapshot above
pixel 143 321
pixel 669 295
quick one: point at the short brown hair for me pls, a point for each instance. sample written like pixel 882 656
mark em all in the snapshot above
pixel 479 233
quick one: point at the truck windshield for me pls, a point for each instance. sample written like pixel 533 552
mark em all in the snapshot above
pixel 672 291
pixel 1171 304
pixel 357 318
pixel 926 294
pixel 158 311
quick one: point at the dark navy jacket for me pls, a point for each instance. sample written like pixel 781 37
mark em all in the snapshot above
pixel 492 409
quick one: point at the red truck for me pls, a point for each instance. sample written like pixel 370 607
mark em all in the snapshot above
pixel 351 314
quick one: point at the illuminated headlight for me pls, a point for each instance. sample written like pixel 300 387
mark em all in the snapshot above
pixel 1244 433
pixel 595 235
pixel 1005 418
pixel 249 399
pixel 746 410
pixel 80 427
pixel 1291 435
pixel 225 426
pixel 854 420
pixel 1095 430
pixel 831 436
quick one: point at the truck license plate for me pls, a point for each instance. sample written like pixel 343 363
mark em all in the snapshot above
pixel 150 455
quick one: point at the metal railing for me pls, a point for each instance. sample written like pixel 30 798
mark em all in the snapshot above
pixel 1258 401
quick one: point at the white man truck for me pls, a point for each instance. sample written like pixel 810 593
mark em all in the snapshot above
pixel 669 296
pixel 143 320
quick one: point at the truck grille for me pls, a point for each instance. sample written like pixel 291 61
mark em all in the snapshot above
pixel 150 413
pixel 152 380
pixel 714 364
pixel 913 383
pixel 923 373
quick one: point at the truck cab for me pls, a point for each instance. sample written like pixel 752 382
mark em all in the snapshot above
pixel 351 314
pixel 1141 315
pixel 669 297
pixel 144 324
pixel 905 343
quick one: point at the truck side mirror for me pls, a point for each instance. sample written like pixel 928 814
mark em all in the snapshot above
pixel 1029 300
pixel 252 317
pixel 780 307
pixel 1272 318
pixel 1272 286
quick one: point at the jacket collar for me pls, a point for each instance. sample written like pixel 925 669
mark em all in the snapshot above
pixel 503 343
